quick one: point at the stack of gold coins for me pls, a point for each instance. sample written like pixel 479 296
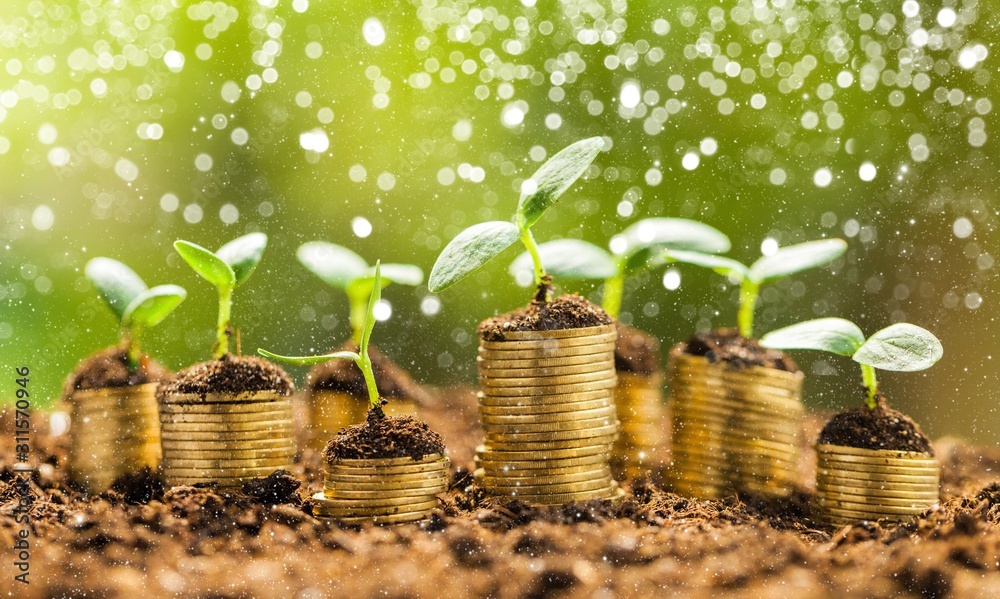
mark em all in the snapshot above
pixel 734 429
pixel 547 409
pixel 383 491
pixel 332 411
pixel 225 438
pixel 113 431
pixel 854 484
pixel 642 422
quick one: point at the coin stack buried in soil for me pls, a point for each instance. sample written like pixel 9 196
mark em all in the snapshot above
pixel 854 484
pixel 113 431
pixel 381 490
pixel 547 409
pixel 642 423
pixel 225 438
pixel 331 411
pixel 733 429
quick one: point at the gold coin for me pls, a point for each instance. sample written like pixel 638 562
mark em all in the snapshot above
pixel 116 393
pixel 342 493
pixel 900 466
pixel 848 467
pixel 877 496
pixel 489 365
pixel 552 445
pixel 228 471
pixel 362 513
pixel 557 428
pixel 720 404
pixel 599 351
pixel 858 451
pixel 228 446
pixel 878 489
pixel 430 459
pixel 404 518
pixel 561 498
pixel 913 507
pixel 487 369
pixel 198 454
pixel 223 398
pixel 530 456
pixel 559 333
pixel 496 393
pixel 712 409
pixel 545 468
pixel 548 488
pixel 606 411
pixel 761 447
pixel 284 414
pixel 333 503
pixel 596 428
pixel 503 480
pixel 789 458
pixel 555 410
pixel 862 478
pixel 219 434
pixel 278 461
pixel 851 516
pixel 530 380
pixel 227 409
pixel 183 428
pixel 427 484
pixel 512 344
pixel 544 404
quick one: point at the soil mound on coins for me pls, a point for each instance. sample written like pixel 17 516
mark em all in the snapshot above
pixel 636 351
pixel 229 374
pixel 568 311
pixel 881 428
pixel 727 345
pixel 109 368
pixel 381 436
pixel 345 376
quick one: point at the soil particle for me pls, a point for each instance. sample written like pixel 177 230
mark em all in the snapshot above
pixel 881 428
pixel 229 374
pixel 727 345
pixel 345 376
pixel 381 436
pixel 568 311
pixel 277 488
pixel 139 487
pixel 636 351
pixel 109 368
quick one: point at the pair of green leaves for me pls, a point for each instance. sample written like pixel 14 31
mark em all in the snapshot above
pixel 132 302
pixel 786 261
pixel 341 268
pixel 229 266
pixel 480 243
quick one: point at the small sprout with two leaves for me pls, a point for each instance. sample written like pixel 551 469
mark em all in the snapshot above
pixel 226 269
pixel 137 306
pixel 901 347
pixel 637 248
pixel 477 245
pixel 342 269
pixel 767 269
pixel 361 358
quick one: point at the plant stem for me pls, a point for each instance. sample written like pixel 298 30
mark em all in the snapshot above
pixel 222 330
pixel 871 386
pixel 614 290
pixel 133 352
pixel 359 310
pixel 365 364
pixel 748 301
pixel 529 242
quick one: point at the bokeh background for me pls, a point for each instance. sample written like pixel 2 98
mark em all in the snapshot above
pixel 388 127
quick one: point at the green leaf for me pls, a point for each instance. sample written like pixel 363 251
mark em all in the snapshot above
pixel 243 254
pixel 904 347
pixel 726 267
pixel 568 259
pixel 469 250
pixel 309 360
pixel 651 234
pixel 834 335
pixel 153 305
pixel 366 334
pixel 335 265
pixel 211 268
pixel 555 177
pixel 796 258
pixel 117 284
pixel 403 274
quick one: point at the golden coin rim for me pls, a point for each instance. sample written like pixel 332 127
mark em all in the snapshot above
pixel 560 333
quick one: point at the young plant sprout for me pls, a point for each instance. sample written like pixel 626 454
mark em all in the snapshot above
pixel 360 358
pixel 226 268
pixel 137 306
pixel 902 347
pixel 342 269
pixel 633 251
pixel 477 245
pixel 768 269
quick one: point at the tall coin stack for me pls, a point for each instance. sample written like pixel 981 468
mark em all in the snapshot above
pixel 547 409
pixel 854 484
pixel 733 429
pixel 643 435
pixel 113 431
pixel 224 437
pixel 381 490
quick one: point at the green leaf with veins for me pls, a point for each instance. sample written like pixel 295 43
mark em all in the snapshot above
pixel 901 347
pixel 554 177
pixel 204 262
pixel 469 250
pixel 568 259
pixel 243 254
pixel 726 267
pixel 671 233
pixel 796 258
pixel 834 335
pixel 117 284
pixel 153 305
pixel 336 265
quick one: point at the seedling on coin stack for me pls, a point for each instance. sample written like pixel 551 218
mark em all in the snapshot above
pixel 389 468
pixel 111 394
pixel 736 407
pixel 874 462
pixel 227 420
pixel 336 388
pixel 546 371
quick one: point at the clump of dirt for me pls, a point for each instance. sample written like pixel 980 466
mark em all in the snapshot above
pixel 636 351
pixel 109 368
pixel 229 374
pixel 277 488
pixel 568 311
pixel 139 487
pixel 727 345
pixel 381 436
pixel 881 428
pixel 345 376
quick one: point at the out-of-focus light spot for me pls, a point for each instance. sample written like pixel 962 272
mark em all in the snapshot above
pixel 822 177
pixel 174 60
pixel 58 156
pixel 512 116
pixel 42 218
pixel 315 141
pixel 708 146
pixel 386 181
pixel 382 310
pixel 229 214
pixel 239 136
pixel 962 227
pixel 625 208
pixel 126 169
pixel 867 171
pixel 690 161
pixel 373 31
pixel 430 305
pixel 769 246
pixel 462 130
pixel 671 279
pixel 203 162
pixel 778 176
pixel 630 95
pixel 618 245
pixel 47 134
pixel 361 226
pixel 357 173
pixel 946 17
pixel 169 202
pixel 231 91
pixel 528 187
pixel 193 213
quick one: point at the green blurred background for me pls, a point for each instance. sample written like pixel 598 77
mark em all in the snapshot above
pixel 388 127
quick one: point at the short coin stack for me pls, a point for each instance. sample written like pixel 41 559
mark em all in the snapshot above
pixel 643 433
pixel 331 411
pixel 854 484
pixel 382 490
pixel 733 429
pixel 547 409
pixel 226 438
pixel 113 431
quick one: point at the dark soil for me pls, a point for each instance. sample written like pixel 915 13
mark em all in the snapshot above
pixel 568 311
pixel 279 487
pixel 229 374
pixel 636 351
pixel 345 376
pixel 727 345
pixel 881 428
pixel 109 368
pixel 381 436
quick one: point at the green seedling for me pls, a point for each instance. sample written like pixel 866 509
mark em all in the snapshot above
pixel 477 245
pixel 137 306
pixel 902 347
pixel 342 269
pixel 634 250
pixel 360 358
pixel 226 268
pixel 768 269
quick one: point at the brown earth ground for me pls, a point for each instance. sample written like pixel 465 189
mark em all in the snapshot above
pixel 194 542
